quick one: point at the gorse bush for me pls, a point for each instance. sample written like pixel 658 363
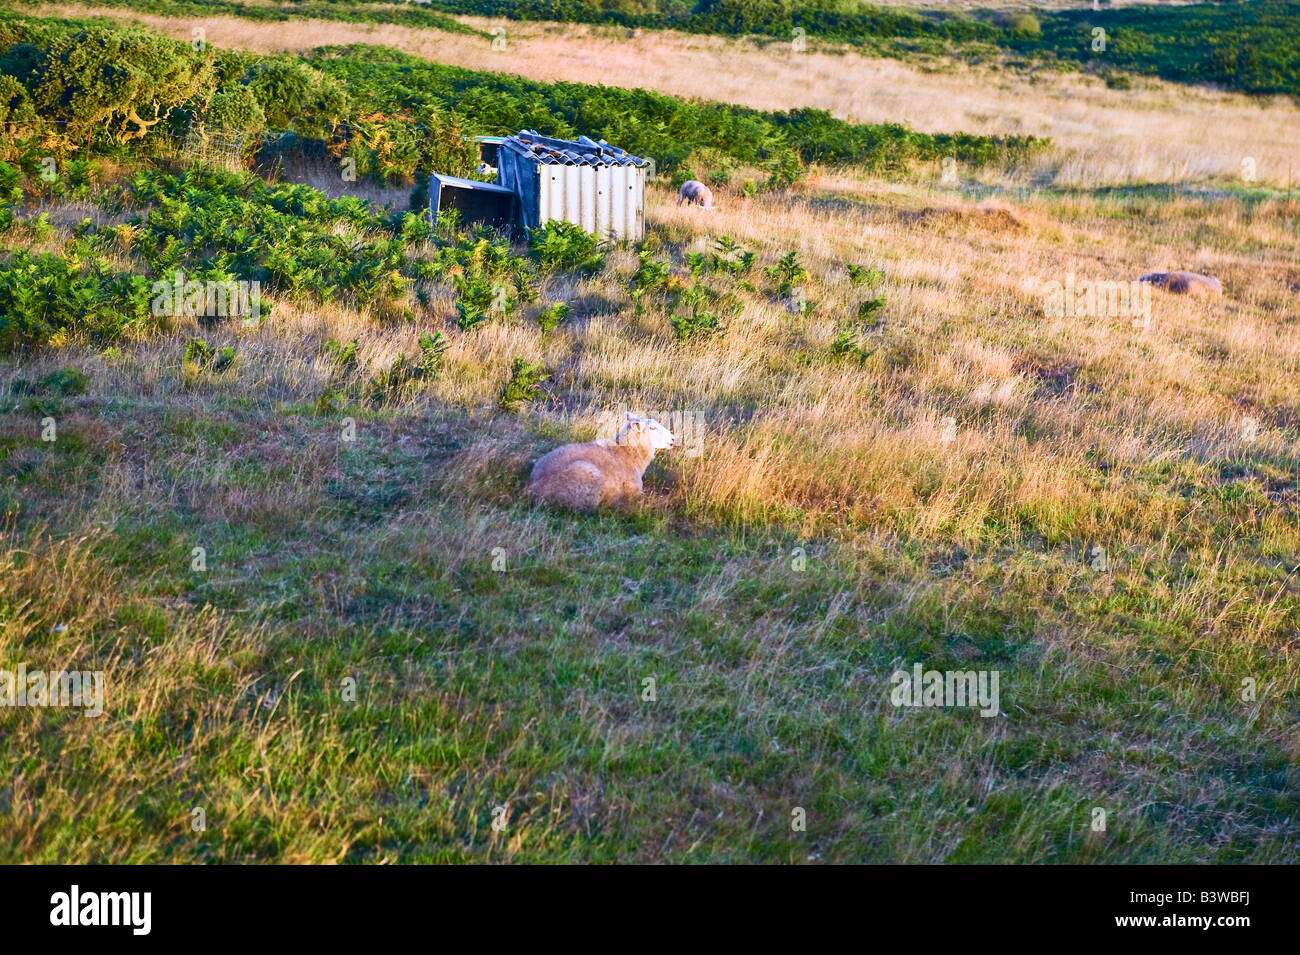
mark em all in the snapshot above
pixel 65 86
pixel 1024 22
pixel 121 82
pixel 238 108
pixel 295 97
pixel 11 193
pixel 747 16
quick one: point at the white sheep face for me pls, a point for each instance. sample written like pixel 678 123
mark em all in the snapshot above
pixel 648 429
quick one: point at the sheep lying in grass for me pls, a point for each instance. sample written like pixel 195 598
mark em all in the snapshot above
pixel 1184 283
pixel 695 193
pixel 601 472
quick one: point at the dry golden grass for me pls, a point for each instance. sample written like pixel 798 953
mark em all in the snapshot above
pixel 948 486
pixel 1065 430
pixel 963 337
pixel 1071 433
pixel 1156 132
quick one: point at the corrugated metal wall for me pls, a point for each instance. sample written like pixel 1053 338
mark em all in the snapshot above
pixel 606 200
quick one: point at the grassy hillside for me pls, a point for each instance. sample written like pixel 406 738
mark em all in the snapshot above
pixel 392 114
pixel 1247 45
pixel 326 618
pixel 1104 133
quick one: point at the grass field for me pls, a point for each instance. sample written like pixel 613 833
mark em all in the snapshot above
pixel 1102 510
pixel 1155 132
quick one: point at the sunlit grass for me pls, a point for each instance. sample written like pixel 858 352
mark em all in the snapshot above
pixel 524 687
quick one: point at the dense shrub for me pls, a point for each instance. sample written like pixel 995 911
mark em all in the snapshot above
pixel 289 238
pixel 649 124
pixel 745 16
pixel 337 10
pixel 1024 22
pixel 295 97
pixel 17 113
pixel 121 81
pixel 235 108
pixel 565 245
pixel 399 117
pixel 45 295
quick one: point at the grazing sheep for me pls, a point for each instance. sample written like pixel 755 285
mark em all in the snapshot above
pixel 486 170
pixel 695 193
pixel 600 472
pixel 1184 283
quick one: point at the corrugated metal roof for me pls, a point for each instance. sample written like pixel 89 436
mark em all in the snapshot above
pixel 570 152
pixel 469 183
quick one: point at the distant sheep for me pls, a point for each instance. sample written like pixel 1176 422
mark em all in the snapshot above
pixel 1185 283
pixel 485 170
pixel 695 193
pixel 601 472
